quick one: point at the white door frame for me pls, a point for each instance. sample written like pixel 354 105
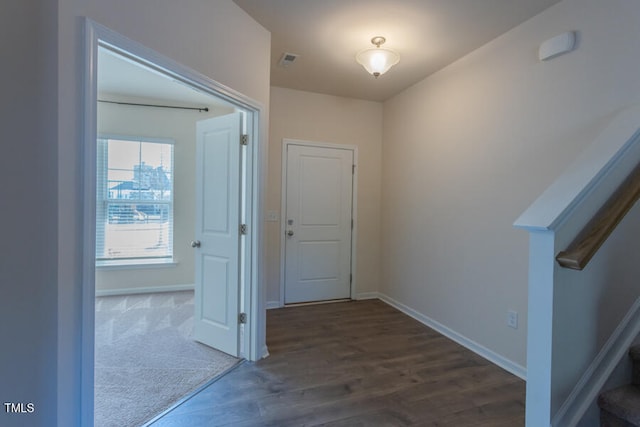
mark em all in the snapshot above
pixel 283 209
pixel 252 293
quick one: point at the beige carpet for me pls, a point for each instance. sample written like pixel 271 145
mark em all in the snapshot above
pixel 146 359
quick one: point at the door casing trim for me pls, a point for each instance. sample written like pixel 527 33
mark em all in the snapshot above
pixel 283 208
pixel 253 339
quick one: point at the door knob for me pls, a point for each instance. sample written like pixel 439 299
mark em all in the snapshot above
pixel 195 243
pixel 290 233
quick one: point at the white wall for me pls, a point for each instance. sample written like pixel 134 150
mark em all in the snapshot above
pixel 215 38
pixel 466 150
pixel 28 228
pixel 180 126
pixel 323 118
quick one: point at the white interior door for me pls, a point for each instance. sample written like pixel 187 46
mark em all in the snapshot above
pixel 319 187
pixel 217 234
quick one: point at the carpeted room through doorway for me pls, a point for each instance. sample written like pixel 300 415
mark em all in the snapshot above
pixel 145 356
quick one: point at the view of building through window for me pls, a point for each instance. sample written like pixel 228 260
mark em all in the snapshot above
pixel 135 200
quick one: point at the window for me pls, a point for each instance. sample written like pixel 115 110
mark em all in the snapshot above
pixel 134 209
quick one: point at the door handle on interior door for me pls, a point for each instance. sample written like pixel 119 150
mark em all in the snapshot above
pixel 290 233
pixel 195 243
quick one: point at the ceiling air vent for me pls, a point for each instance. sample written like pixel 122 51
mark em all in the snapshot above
pixel 287 59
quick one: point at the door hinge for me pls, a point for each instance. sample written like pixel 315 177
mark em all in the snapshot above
pixel 350 278
pixel 352 223
pixel 244 139
pixel 243 228
pixel 242 318
pixel 353 169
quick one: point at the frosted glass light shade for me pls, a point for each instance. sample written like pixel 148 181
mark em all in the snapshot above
pixel 377 61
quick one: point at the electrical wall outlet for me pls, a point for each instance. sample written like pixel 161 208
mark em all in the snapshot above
pixel 512 319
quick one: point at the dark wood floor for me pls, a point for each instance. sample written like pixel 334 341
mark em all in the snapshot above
pixel 356 364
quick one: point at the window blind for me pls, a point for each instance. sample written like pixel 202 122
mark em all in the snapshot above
pixel 134 212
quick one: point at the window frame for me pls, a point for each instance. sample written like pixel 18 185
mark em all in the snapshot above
pixel 103 201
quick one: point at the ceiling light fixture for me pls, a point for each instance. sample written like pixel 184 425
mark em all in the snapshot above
pixel 378 60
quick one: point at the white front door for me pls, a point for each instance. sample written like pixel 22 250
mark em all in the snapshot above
pixel 217 234
pixel 318 192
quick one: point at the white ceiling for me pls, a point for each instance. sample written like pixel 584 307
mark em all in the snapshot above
pixel 428 35
pixel 327 34
pixel 120 79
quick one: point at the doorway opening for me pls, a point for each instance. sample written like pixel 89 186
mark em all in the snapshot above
pixel 155 204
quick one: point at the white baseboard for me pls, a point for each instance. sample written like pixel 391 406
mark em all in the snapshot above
pixel 360 296
pixel 367 295
pixel 588 387
pixel 504 363
pixel 273 304
pixel 144 290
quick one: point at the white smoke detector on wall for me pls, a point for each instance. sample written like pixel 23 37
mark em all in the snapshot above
pixel 557 45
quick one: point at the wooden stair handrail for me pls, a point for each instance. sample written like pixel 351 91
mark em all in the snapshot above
pixel 596 232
